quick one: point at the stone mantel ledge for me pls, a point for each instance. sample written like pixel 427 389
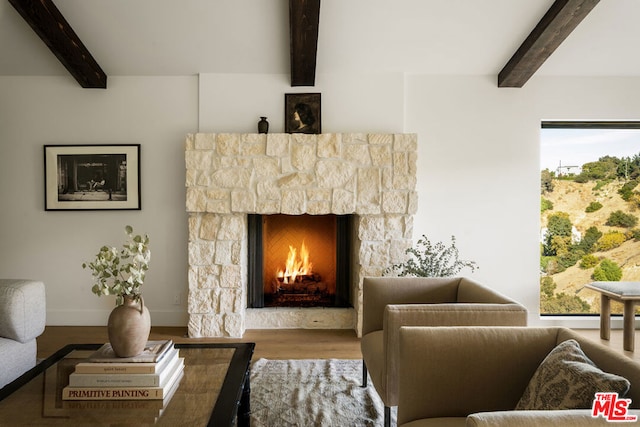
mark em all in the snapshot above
pixel 231 175
pixel 297 173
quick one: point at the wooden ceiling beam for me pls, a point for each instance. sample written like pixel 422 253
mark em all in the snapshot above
pixel 54 30
pixel 554 27
pixel 304 19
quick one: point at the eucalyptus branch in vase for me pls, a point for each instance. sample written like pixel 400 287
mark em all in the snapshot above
pixel 121 272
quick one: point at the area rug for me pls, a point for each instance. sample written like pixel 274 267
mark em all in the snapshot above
pixel 313 392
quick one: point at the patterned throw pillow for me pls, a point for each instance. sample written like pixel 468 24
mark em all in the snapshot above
pixel 568 379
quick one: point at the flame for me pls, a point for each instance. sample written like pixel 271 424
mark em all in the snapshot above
pixel 296 265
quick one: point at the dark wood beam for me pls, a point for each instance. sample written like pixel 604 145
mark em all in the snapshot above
pixel 555 26
pixel 612 124
pixel 47 21
pixel 304 18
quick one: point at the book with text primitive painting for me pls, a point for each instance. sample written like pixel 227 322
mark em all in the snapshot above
pixel 118 412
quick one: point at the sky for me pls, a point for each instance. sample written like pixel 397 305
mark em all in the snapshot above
pixel 574 147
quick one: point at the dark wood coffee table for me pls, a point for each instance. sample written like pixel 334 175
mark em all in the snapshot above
pixel 214 391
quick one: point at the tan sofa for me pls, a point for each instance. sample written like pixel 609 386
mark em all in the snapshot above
pixel 392 302
pixel 475 376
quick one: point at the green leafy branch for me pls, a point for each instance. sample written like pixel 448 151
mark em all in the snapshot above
pixel 121 272
pixel 432 260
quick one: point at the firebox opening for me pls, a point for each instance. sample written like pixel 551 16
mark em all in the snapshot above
pixel 299 260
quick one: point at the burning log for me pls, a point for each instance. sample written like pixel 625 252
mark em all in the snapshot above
pixel 306 283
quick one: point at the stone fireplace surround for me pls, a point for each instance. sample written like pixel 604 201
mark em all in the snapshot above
pixel 371 176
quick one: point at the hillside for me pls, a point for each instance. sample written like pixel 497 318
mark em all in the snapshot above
pixel 573 198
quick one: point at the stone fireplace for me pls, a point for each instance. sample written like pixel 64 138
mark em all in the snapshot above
pixel 230 177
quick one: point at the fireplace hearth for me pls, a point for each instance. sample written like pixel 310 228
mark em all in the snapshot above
pixel 233 178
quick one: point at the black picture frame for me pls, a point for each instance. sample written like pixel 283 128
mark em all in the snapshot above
pixel 302 113
pixel 92 177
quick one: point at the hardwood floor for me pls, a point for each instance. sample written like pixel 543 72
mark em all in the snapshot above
pixel 615 342
pixel 270 343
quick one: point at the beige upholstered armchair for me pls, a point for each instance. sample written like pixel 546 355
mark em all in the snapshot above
pixel 392 302
pixel 479 376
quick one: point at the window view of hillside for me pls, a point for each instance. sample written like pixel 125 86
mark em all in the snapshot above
pixel 589 215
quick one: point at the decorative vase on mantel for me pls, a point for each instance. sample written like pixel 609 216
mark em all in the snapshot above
pixel 263 125
pixel 129 326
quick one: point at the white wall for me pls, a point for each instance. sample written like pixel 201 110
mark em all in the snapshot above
pixel 478 166
pixel 349 102
pixel 478 173
pixel 51 245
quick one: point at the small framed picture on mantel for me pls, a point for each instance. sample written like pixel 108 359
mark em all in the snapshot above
pixel 302 113
pixel 92 177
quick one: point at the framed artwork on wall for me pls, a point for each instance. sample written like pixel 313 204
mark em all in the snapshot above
pixel 302 113
pixel 92 177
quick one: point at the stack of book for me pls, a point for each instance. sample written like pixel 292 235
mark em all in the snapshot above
pixel 153 374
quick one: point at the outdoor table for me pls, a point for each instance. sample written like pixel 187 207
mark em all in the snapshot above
pixel 627 293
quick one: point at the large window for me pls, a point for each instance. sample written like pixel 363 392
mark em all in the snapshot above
pixel 589 212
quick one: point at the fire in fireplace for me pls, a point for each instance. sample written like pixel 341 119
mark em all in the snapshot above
pixel 299 261
pixel 297 283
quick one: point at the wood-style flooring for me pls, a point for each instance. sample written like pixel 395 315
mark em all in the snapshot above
pixel 271 343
